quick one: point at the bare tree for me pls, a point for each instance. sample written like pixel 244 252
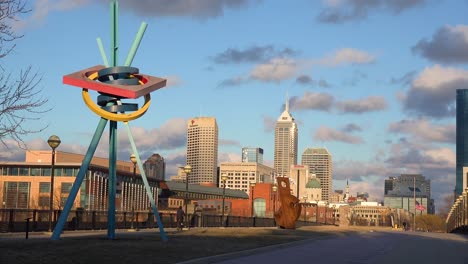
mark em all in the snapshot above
pixel 447 203
pixel 20 100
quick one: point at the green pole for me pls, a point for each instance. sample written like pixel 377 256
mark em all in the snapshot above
pixel 136 44
pixel 103 53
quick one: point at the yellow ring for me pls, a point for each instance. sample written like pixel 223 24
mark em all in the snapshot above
pixel 112 116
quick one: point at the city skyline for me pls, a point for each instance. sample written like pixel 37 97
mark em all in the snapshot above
pixel 373 82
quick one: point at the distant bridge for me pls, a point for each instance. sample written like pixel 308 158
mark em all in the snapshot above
pixel 457 219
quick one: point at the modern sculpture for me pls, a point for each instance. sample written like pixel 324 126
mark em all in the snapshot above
pixel 114 83
pixel 290 209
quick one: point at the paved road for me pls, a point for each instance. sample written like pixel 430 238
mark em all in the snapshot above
pixel 369 247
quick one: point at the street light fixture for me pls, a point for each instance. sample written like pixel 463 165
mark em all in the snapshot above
pixel 187 170
pixel 334 214
pixel 53 141
pixel 224 178
pixel 305 204
pixel 134 161
pixel 274 189
pixel 252 184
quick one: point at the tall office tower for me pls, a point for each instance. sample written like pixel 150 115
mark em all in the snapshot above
pixel 202 150
pixel 407 187
pixel 252 155
pixel 319 161
pixel 462 140
pixel 389 184
pixel 155 167
pixel 285 143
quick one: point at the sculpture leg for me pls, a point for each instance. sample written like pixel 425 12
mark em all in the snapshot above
pixel 145 181
pixel 79 179
pixel 112 179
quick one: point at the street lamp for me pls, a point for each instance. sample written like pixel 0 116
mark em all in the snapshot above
pixel 252 184
pixel 187 170
pixel 305 204
pixel 326 211
pixel 224 178
pixel 134 161
pixel 334 214
pixel 274 189
pixel 54 142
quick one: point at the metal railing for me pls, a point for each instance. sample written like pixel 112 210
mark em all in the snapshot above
pixel 457 219
pixel 13 220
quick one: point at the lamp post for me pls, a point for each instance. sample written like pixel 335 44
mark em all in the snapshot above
pixel 54 142
pixel 305 204
pixel 274 189
pixel 334 214
pixel 252 184
pixel 326 211
pixel 187 170
pixel 414 202
pixel 224 178
pixel 134 161
pixel 316 211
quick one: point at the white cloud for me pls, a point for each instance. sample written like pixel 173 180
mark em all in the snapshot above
pixel 42 8
pixel 173 81
pixel 347 56
pixel 433 91
pixel 276 70
pixel 422 129
pixel 436 77
pixel 312 100
pixel 369 104
pixel 229 157
pixel 328 134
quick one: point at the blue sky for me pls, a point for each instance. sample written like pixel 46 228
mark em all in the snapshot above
pixel 372 81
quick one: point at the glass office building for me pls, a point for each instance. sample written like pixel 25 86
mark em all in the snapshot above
pixel 462 138
pixel 250 154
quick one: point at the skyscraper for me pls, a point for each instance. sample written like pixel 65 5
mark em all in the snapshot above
pixel 155 167
pixel 252 155
pixel 406 188
pixel 202 149
pixel 319 161
pixel 285 143
pixel 462 140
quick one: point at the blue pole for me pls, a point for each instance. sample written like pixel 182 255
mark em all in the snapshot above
pixel 145 181
pixel 112 179
pixel 112 131
pixel 79 179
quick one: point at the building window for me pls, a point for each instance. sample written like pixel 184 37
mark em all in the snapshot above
pixel 24 171
pixel 35 171
pixel 66 187
pixel 16 194
pixel 44 187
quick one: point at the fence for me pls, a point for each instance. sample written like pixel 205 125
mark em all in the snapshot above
pixel 15 220
pixel 457 219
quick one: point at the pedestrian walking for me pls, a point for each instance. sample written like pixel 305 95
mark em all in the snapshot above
pixel 180 218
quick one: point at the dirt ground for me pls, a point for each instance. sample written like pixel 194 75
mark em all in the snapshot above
pixel 147 246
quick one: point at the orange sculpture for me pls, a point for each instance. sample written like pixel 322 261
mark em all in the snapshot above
pixel 290 209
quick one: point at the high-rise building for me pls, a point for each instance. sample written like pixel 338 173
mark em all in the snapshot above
pixel 155 167
pixel 285 143
pixel 406 188
pixel 250 154
pixel 202 149
pixel 242 174
pixel 389 184
pixel 319 161
pixel 462 140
